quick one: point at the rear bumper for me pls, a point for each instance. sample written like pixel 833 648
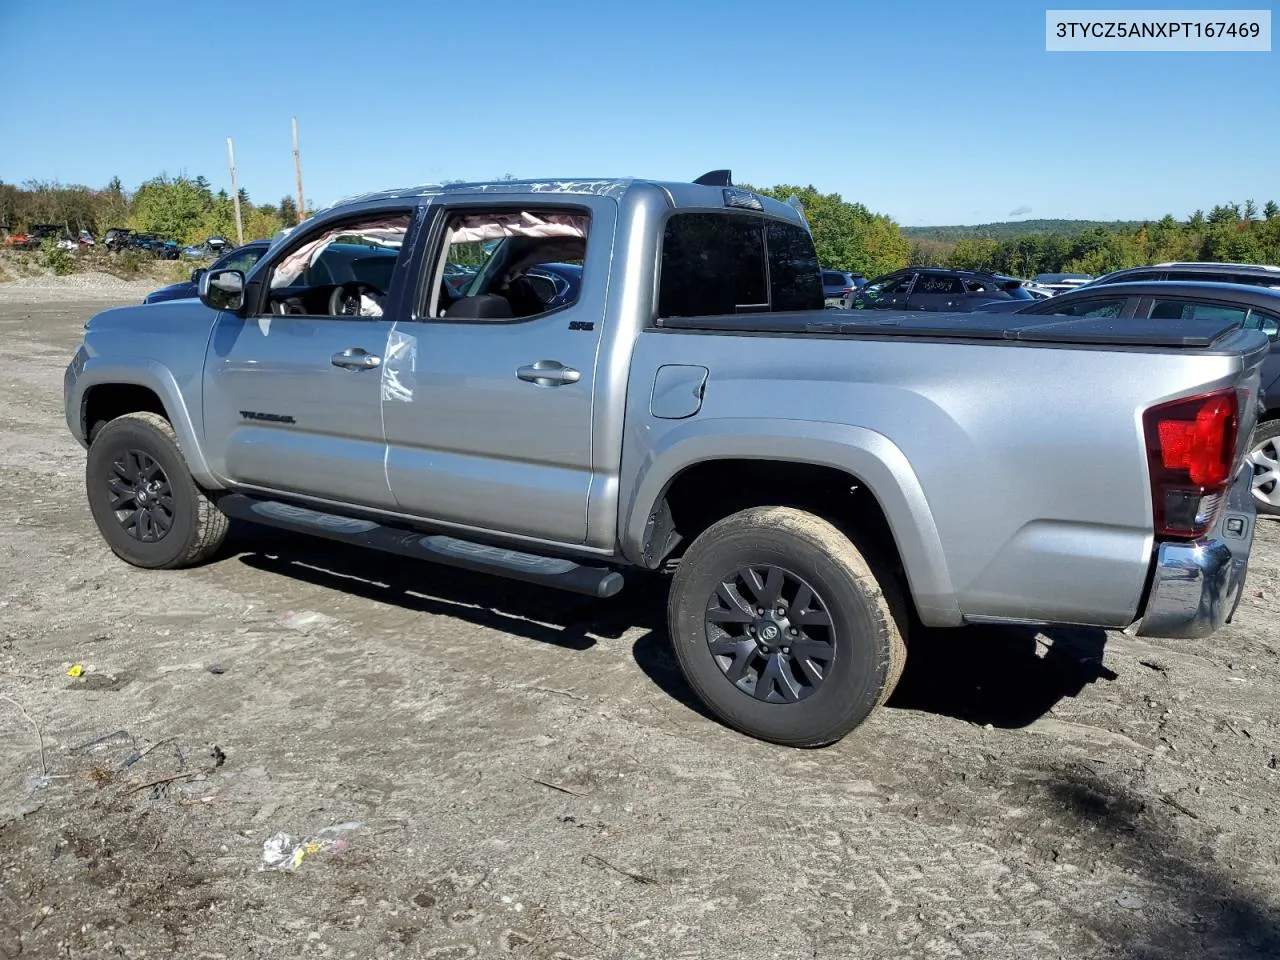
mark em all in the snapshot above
pixel 1194 591
pixel 1196 586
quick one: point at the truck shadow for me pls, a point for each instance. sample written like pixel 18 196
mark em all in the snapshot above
pixel 521 609
pixel 1004 676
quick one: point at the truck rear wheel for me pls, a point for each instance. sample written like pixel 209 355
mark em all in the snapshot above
pixel 144 500
pixel 782 627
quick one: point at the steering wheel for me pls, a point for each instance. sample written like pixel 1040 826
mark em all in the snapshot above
pixel 345 299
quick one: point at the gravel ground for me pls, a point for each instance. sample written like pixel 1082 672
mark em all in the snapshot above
pixel 502 772
pixel 90 285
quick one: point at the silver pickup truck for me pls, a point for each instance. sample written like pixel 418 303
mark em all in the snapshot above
pixel 572 382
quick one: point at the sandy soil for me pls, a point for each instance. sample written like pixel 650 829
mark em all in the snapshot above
pixel 513 773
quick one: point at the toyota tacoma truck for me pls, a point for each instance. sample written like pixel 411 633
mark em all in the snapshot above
pixel 637 377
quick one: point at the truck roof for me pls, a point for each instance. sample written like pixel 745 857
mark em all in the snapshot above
pixel 678 194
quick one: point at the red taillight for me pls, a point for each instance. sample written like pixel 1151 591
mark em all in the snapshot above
pixel 1191 447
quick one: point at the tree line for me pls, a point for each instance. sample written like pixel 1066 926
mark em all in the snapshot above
pixel 184 209
pixel 1230 232
pixel 847 235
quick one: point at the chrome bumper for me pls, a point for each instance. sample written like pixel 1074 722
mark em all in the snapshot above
pixel 1196 586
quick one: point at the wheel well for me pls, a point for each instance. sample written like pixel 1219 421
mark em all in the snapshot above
pixel 104 403
pixel 707 492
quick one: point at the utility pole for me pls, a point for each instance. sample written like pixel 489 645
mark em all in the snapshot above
pixel 297 167
pixel 235 193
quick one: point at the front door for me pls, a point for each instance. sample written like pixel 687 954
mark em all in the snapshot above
pixel 292 393
pixel 488 406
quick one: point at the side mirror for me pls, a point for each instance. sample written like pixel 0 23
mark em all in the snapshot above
pixel 197 273
pixel 1271 328
pixel 222 290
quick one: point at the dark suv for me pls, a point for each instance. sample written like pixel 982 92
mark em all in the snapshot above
pixel 1261 275
pixel 935 288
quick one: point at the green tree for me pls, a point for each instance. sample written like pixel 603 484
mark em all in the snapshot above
pixel 974 253
pixel 930 253
pixel 1250 211
pixel 847 235
pixel 173 208
pixel 1197 221
pixel 1271 211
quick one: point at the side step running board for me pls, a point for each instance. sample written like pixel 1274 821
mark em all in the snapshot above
pixel 513 564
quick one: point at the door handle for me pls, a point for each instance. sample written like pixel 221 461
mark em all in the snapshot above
pixel 548 373
pixel 355 358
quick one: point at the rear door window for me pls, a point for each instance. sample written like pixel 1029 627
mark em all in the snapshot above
pixel 1095 307
pixel 937 283
pixel 1179 309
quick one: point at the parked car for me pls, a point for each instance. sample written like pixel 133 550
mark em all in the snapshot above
pixel 935 288
pixel 241 258
pixel 1251 306
pixel 814 480
pixel 86 239
pixel 1061 282
pixel 1263 275
pixel 117 238
pixel 1038 292
pixel 40 232
pixel 837 284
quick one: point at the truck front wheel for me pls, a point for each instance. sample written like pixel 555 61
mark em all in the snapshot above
pixel 144 500
pixel 782 627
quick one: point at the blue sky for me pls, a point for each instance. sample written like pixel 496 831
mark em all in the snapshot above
pixel 933 113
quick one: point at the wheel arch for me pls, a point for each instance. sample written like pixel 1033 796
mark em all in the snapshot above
pixel 105 393
pixel 704 471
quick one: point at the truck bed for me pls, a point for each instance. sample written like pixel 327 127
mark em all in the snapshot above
pixel 1198 334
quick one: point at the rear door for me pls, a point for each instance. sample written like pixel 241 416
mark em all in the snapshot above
pixel 487 398
pixel 936 290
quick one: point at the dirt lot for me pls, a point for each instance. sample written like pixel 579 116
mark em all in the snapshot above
pixel 513 773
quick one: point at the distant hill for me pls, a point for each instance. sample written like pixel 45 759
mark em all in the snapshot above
pixel 1015 228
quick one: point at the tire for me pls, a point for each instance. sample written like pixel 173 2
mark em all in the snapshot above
pixel 767 690
pixel 144 444
pixel 1264 454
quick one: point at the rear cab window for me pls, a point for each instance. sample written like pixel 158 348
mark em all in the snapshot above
pixel 716 264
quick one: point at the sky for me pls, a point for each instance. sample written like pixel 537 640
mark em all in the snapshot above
pixel 934 113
